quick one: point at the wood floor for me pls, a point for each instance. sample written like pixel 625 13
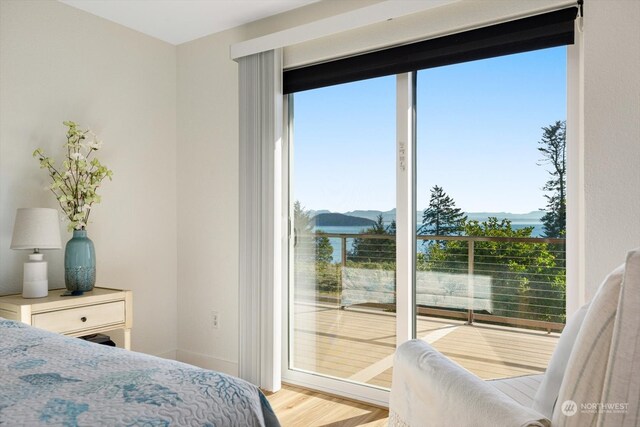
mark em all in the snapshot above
pixel 359 345
pixel 295 407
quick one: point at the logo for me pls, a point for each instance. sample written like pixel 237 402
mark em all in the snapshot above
pixel 569 408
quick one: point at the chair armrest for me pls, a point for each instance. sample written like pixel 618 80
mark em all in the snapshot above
pixel 430 389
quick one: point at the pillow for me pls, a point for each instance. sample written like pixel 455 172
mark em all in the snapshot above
pixel 549 389
pixel 622 383
pixel 584 376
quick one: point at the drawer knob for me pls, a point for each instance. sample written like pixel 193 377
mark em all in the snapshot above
pixel 83 319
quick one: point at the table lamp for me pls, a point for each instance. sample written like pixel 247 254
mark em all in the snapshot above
pixel 36 228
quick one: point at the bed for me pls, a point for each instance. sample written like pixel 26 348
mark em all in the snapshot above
pixel 50 379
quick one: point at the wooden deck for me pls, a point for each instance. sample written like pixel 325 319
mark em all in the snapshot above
pixel 359 344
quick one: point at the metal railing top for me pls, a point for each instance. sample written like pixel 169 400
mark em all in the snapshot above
pixel 549 240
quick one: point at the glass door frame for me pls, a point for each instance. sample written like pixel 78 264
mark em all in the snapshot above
pixel 405 246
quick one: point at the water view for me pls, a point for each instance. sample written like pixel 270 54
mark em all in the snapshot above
pixel 516 224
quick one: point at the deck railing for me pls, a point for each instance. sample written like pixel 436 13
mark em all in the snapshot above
pixel 521 278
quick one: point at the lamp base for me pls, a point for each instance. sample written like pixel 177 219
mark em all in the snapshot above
pixel 37 289
pixel 35 283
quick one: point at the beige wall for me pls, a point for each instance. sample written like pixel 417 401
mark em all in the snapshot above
pixel 208 128
pixel 612 134
pixel 208 202
pixel 58 63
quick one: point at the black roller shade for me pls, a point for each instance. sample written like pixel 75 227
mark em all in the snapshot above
pixel 522 35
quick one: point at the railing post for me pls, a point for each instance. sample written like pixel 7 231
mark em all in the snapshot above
pixel 343 262
pixel 470 282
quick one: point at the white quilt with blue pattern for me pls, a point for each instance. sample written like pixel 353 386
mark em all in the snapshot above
pixel 48 379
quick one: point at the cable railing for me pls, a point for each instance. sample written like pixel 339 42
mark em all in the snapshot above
pixel 517 281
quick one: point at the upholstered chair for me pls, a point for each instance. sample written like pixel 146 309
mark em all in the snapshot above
pixel 593 377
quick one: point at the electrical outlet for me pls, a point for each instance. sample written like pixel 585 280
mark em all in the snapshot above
pixel 215 321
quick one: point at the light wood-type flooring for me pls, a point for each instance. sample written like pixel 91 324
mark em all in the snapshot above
pixel 297 407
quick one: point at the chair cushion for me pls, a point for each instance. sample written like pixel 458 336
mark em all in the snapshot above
pixel 584 377
pixel 549 389
pixel 521 389
pixel 430 389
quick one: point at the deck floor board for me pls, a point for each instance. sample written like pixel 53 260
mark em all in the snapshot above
pixel 359 344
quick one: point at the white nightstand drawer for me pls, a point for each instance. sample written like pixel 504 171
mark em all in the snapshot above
pixel 78 319
pixel 103 309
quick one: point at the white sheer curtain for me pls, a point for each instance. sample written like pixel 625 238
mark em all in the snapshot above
pixel 261 124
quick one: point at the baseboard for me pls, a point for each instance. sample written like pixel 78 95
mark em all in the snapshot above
pixel 171 354
pixel 207 362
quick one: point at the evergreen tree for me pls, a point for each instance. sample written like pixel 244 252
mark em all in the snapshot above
pixel 553 149
pixel 313 264
pixel 324 249
pixel 442 217
pixel 305 237
pixel 375 249
pixel 526 281
pixel 302 221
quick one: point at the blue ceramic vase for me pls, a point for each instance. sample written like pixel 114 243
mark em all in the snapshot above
pixel 79 263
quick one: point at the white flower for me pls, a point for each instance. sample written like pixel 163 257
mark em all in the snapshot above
pixel 75 183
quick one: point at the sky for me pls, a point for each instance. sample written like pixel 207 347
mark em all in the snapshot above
pixel 478 127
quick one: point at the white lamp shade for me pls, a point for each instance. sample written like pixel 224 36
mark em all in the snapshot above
pixel 36 228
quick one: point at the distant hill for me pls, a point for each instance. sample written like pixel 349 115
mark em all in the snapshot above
pixel 366 218
pixel 387 216
pixel 340 220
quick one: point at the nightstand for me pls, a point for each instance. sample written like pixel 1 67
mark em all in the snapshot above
pixel 99 310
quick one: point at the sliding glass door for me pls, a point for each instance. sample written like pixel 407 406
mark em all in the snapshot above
pixel 343 193
pixel 428 205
